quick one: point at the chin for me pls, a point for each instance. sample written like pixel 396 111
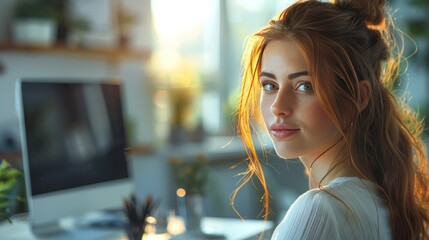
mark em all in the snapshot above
pixel 286 155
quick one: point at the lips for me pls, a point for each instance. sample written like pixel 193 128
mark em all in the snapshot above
pixel 283 130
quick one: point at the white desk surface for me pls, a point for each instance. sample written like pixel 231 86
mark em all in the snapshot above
pixel 231 228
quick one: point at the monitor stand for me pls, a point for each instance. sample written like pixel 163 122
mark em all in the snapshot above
pixel 47 230
pixel 79 228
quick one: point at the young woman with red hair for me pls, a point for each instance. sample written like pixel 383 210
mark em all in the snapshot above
pixel 319 79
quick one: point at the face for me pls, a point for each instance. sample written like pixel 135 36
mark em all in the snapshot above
pixel 293 115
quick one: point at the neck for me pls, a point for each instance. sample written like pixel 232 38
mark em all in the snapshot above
pixel 326 166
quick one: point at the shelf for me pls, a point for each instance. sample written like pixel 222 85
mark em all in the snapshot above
pixel 109 54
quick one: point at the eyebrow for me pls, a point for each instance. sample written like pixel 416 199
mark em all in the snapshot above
pixel 290 76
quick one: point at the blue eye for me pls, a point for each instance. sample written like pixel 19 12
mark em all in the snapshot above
pixel 304 87
pixel 268 87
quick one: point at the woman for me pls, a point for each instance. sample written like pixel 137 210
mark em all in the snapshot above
pixel 319 79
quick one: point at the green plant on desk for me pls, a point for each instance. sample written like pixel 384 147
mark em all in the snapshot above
pixel 8 180
pixel 191 175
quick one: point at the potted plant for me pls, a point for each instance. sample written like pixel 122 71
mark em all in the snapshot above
pixel 8 189
pixel 35 22
pixel 191 175
pixel 191 178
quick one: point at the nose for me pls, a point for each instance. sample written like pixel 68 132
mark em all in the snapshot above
pixel 282 105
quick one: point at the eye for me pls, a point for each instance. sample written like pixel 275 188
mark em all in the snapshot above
pixel 304 87
pixel 268 86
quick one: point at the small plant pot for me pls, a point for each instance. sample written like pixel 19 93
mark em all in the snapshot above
pixel 194 204
pixel 39 32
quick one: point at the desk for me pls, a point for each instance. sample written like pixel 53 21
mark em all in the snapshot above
pixel 235 229
pixel 231 228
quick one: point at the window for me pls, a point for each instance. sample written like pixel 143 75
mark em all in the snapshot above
pixel 197 61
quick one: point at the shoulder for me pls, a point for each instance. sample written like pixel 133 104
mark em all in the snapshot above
pixel 314 213
pixel 347 199
pixel 345 209
pixel 317 203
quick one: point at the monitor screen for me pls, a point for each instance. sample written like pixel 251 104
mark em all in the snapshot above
pixel 75 134
pixel 73 144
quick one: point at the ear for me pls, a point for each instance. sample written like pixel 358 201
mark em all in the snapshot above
pixel 365 94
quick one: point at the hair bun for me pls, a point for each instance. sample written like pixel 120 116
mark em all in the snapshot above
pixel 371 10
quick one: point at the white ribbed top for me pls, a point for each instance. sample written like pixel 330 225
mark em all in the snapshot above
pixel 318 215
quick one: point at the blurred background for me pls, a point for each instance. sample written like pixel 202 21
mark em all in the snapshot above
pixel 179 63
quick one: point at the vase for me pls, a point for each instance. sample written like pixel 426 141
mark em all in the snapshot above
pixel 194 205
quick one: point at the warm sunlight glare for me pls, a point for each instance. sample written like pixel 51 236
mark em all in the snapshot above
pixel 151 220
pixel 176 225
pixel 175 19
pixel 181 192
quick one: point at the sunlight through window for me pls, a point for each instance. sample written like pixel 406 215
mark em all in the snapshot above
pixel 178 20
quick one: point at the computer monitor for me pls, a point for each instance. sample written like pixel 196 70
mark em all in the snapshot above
pixel 73 147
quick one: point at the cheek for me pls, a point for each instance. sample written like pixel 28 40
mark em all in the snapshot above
pixel 319 120
pixel 315 111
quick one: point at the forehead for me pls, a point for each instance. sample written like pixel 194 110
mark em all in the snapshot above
pixel 282 56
